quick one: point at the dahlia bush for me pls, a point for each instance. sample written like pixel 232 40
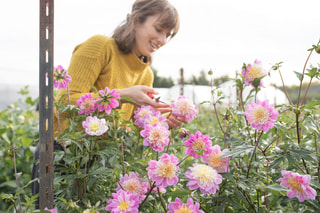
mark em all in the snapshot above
pixel 253 155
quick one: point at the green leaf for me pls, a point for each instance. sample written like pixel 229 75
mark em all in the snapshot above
pixel 240 196
pixel 312 72
pixel 10 183
pixel 276 162
pixel 238 150
pixel 2 130
pixel 299 75
pixel 303 153
pixel 315 183
pixel 113 160
pixel 25 141
pixel 220 208
pixel 235 203
pixel 312 104
pixel 5 138
pixel 278 188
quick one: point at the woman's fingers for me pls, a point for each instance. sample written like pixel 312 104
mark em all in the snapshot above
pixel 175 122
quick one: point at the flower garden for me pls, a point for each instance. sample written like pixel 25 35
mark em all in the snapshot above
pixel 248 157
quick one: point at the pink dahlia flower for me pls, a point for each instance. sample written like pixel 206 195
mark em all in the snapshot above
pixel 204 177
pixel 213 159
pixel 107 100
pixel 252 72
pixel 140 113
pixel 261 115
pixel 151 119
pixel 298 185
pixel 95 126
pixel 177 206
pixel 87 104
pixel 184 107
pixel 133 184
pixel 124 202
pixel 163 172
pixel 51 210
pixel 198 145
pixel 156 136
pixel 60 77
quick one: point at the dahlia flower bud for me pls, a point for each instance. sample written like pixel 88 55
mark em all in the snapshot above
pixel 318 49
pixel 183 133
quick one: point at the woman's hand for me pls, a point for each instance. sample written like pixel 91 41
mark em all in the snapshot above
pixel 142 95
pixel 175 121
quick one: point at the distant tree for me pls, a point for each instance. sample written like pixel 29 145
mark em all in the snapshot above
pixel 161 82
pixel 293 91
pixel 201 80
pixel 218 81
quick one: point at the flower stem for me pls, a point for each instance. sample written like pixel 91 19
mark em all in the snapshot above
pixel 58 117
pixel 124 168
pixel 153 185
pixel 266 194
pixel 68 94
pixel 298 128
pixel 284 88
pixel 16 175
pixel 304 68
pixel 161 200
pixel 305 94
pixel 185 158
pixel 253 153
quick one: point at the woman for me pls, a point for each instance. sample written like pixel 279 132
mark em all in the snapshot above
pixel 122 62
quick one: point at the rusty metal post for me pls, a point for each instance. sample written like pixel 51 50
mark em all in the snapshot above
pixel 181 82
pixel 46 169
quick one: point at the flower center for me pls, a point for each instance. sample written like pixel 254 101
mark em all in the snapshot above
pixel 87 104
pixel 143 112
pixel 184 106
pixel 131 185
pixel 198 145
pixel 124 206
pixel 153 120
pixel 155 136
pixel 215 161
pixel 183 209
pixel 205 174
pixel 255 72
pixel 94 127
pixel 166 170
pixel 261 115
pixel 295 184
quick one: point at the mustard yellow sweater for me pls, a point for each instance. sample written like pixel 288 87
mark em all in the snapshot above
pixel 99 62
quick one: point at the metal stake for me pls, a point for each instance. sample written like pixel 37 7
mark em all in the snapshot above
pixel 46 169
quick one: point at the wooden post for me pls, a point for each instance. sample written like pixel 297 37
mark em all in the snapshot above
pixel 46 169
pixel 181 82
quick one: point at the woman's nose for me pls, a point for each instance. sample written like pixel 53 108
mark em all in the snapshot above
pixel 163 39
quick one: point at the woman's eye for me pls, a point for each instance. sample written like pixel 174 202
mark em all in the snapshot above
pixel 158 29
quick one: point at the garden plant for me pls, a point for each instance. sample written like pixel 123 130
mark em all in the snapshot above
pixel 249 156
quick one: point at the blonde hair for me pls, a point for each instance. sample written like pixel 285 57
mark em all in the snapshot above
pixel 124 34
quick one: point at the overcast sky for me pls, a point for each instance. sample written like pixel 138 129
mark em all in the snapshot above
pixel 221 35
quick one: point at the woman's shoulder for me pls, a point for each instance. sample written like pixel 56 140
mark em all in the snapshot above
pixel 96 44
pixel 102 40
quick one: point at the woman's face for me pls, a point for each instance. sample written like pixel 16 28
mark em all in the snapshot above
pixel 149 36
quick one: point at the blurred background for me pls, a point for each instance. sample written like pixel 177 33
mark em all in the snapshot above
pixel 217 35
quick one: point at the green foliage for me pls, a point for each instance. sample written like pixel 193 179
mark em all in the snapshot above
pixel 18 137
pixel 200 80
pixel 161 82
pixel 89 168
